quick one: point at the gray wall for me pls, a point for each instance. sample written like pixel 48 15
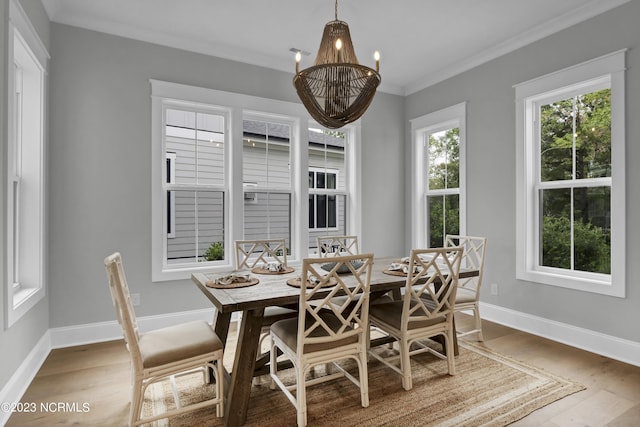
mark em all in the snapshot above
pixel 17 341
pixel 491 175
pixel 100 165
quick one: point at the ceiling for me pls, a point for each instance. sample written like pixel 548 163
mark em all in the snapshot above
pixel 421 42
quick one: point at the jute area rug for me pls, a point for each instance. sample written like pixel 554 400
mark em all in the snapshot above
pixel 488 390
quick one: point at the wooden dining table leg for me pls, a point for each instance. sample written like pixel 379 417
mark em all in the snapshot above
pixel 221 324
pixel 239 389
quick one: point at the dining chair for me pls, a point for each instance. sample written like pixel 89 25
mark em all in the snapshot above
pixel 416 318
pixel 325 332
pixel 253 253
pixel 332 246
pixel 165 353
pixel 468 294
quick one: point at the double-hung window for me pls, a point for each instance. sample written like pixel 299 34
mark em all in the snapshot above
pixel 570 218
pixel 438 201
pixel 25 172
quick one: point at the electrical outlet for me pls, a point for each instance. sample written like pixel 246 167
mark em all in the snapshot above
pixel 135 299
pixel 494 289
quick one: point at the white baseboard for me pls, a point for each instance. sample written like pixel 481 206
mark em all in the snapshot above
pixel 16 386
pixel 107 331
pixel 606 345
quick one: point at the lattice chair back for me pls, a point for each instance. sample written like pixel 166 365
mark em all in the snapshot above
pixel 122 304
pixel 330 246
pixel 430 293
pixel 252 253
pixel 324 318
pixel 474 249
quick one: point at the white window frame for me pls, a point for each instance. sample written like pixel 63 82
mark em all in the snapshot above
pixel 447 118
pixel 239 105
pixel 598 73
pixel 28 64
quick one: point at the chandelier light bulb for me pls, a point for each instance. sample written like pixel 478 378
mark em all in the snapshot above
pixel 298 59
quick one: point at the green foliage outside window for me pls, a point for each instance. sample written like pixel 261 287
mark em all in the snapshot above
pixel 444 173
pixel 591 246
pixel 575 143
pixel 214 252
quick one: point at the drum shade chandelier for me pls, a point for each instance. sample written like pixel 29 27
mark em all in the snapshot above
pixel 336 90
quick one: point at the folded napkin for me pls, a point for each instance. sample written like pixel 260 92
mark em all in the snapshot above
pixel 397 266
pixel 313 280
pixel 415 269
pixel 423 257
pixel 233 278
pixel 273 266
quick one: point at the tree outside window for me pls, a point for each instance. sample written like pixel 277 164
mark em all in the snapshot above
pixel 575 147
pixel 443 189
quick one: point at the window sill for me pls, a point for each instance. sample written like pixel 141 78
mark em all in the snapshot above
pixel 22 300
pixel 587 282
pixel 180 273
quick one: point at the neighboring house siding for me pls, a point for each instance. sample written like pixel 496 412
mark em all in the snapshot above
pixel 209 218
pixel 210 223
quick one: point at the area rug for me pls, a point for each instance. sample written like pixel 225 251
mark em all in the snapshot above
pixel 488 389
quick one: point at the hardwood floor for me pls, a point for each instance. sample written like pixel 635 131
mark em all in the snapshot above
pixel 98 375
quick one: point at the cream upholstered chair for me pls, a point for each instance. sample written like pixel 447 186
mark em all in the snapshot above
pixel 415 318
pixel 163 353
pixel 329 246
pixel 325 332
pixel 253 253
pixel 468 294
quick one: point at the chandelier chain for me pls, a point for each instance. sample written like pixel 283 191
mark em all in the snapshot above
pixel 336 10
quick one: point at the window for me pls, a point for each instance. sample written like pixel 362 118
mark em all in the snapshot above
pixel 266 164
pixel 195 184
pixel 438 191
pixel 571 169
pixel 327 184
pixel 25 167
pixel 228 166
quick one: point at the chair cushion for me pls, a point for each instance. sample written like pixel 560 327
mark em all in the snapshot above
pixel 179 342
pixel 464 295
pixel 287 331
pixel 274 313
pixel 391 314
pixel 344 268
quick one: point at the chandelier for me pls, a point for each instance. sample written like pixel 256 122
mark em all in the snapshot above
pixel 336 90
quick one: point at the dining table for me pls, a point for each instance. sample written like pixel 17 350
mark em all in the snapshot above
pixel 271 290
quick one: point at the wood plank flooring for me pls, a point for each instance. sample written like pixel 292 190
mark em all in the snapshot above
pixel 98 375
